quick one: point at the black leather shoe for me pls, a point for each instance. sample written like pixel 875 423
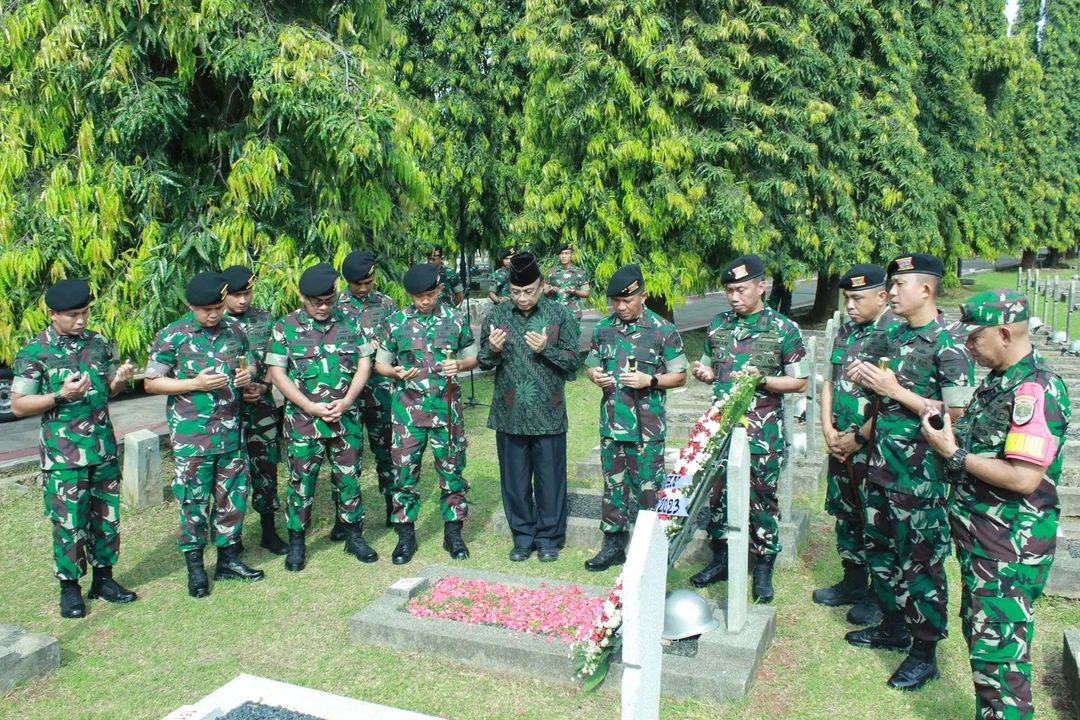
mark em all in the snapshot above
pixel 891 634
pixel 357 546
pixel 520 554
pixel 547 554
pixel 270 539
pixel 198 585
pixel 611 553
pixel 849 591
pixel 452 542
pixel 104 587
pixel 918 668
pixel 865 612
pixel 71 602
pixel 406 545
pixel 717 570
pixel 762 589
pixel 296 558
pixel 231 567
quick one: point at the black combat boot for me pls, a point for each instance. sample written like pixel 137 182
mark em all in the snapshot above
pixel 613 552
pixel 71 602
pixel 103 586
pixel 356 545
pixel 198 585
pixel 865 612
pixel 297 556
pixel 337 533
pixel 270 539
pixel 716 571
pixel 389 511
pixel 918 668
pixel 762 589
pixel 891 634
pixel 406 544
pixel 452 542
pixel 231 567
pixel 849 591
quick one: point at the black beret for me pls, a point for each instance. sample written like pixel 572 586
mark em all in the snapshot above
pixel 68 295
pixel 237 278
pixel 861 277
pixel 420 278
pixel 318 280
pixel 508 252
pixel 744 267
pixel 358 266
pixel 626 281
pixel 523 269
pixel 566 246
pixel 923 263
pixel 206 288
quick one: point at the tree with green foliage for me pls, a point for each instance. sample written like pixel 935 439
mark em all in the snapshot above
pixel 143 141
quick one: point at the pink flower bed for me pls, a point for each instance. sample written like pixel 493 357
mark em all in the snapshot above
pixel 561 612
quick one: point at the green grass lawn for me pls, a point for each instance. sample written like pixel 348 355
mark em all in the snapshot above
pixel 145 659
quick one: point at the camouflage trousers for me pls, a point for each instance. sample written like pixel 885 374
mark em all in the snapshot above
pixel 633 472
pixel 305 459
pixel 84 507
pixel 448 449
pixel 764 506
pixel 907 541
pixel 263 458
pixel 999 625
pixel 376 422
pixel 212 494
pixel 838 503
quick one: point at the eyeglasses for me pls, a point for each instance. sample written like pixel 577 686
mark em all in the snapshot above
pixel 322 302
pixel 524 292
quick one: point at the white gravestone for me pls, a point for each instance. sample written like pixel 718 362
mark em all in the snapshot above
pixel 738 538
pixel 141 484
pixel 644 589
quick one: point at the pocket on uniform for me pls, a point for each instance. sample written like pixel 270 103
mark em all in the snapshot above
pixel 929 532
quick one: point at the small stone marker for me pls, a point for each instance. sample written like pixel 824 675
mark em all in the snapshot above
pixel 1071 665
pixel 644 587
pixel 25 655
pixel 408 586
pixel 141 485
pixel 738 480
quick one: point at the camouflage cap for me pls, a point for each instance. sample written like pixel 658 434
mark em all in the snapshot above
pixel 994 307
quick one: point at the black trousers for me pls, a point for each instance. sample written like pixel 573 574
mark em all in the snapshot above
pixel 533 470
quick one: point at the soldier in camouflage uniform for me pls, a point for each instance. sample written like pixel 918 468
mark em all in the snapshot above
pixel 424 347
pixel 568 283
pixel 258 410
pixel 1005 458
pixel 368 309
pixel 453 291
pixel 320 363
pixel 907 530
pixel 635 357
pixel 752 337
pixel 195 361
pixel 67 375
pixel 845 406
pixel 500 279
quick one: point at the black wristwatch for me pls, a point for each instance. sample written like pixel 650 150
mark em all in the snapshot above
pixel 654 383
pixel 955 462
pixel 59 399
pixel 859 439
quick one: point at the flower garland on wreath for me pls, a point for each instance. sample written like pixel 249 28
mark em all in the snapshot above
pixel 595 644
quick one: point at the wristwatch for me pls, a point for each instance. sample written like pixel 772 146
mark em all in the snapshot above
pixel 654 383
pixel 955 462
pixel 859 439
pixel 59 399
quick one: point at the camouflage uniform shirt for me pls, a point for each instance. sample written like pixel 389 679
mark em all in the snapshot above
pixel 451 285
pixel 500 282
pixel 201 423
pixel 321 358
pixel 564 280
pixel 768 341
pixel 993 522
pixel 629 415
pixel 866 342
pixel 80 433
pixel 368 315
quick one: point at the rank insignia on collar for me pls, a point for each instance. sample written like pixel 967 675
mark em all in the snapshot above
pixel 1023 409
pixel 739 272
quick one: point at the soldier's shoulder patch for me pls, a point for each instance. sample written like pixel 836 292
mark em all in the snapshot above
pixel 1023 407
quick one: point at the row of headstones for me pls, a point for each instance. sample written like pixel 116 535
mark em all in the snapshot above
pixel 1043 296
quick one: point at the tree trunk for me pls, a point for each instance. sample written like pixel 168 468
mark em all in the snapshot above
pixel 1027 259
pixel 780 296
pixel 825 298
pixel 1053 257
pixel 660 305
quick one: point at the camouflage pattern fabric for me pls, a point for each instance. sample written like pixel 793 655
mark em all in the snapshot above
pixel 764 506
pixel 839 503
pixel 451 285
pixel 259 420
pixel 626 414
pixel 994 307
pixel 420 412
pixel 201 424
pixel 500 282
pixel 633 472
pixel 907 541
pixel 996 610
pixel 305 459
pixel 76 434
pixel 212 494
pixel 83 504
pixel 564 280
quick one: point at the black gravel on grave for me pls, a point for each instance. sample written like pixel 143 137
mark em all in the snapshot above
pixel 687 647
pixel 258 711
pixel 1074 547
